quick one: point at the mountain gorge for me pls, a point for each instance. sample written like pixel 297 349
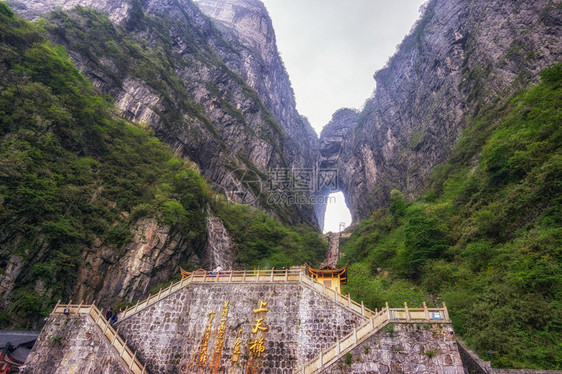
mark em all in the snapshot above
pixel 132 130
pixel 80 217
pixel 460 57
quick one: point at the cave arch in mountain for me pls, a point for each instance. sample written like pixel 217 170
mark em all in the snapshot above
pixel 336 212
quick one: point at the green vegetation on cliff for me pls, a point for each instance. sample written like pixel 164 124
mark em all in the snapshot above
pixel 486 238
pixel 73 176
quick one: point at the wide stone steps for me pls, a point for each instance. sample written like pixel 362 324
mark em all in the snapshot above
pixel 132 363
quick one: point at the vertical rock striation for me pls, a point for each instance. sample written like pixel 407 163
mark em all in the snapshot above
pixel 246 23
pixel 219 249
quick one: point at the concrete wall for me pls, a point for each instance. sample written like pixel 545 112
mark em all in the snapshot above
pixel 72 345
pixel 404 348
pixel 300 322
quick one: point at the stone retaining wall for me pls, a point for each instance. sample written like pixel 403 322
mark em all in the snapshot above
pixel 169 335
pixel 73 345
pixel 403 348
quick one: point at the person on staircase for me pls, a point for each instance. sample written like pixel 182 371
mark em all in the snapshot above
pixel 109 314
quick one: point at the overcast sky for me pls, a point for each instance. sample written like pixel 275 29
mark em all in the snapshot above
pixel 331 49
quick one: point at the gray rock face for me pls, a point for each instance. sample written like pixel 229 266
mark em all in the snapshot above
pixel 460 56
pixel 247 22
pixel 219 249
pixel 34 9
pixel 153 257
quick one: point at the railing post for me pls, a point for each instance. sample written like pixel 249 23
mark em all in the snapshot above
pixel 272 275
pixel 56 306
pixel 204 277
pixel 387 311
pixel 286 275
pixel 99 315
pixel 348 300
pixel 324 288
pixel 258 276
pixel 354 335
pixel 337 296
pixel 133 360
pixel 230 277
pixel 362 308
pixel 123 348
pixel 372 323
pixel 321 358
pixel 137 306
pixel 425 311
pixel 407 311
pixel 143 368
pixel 115 336
pixel 445 311
pixel 338 348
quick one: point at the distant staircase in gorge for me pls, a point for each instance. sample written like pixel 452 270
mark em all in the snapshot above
pixel 334 251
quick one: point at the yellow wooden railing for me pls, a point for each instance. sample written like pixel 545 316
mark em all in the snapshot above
pixel 129 357
pixel 373 324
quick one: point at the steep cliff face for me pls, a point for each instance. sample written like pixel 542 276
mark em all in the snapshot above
pixel 155 253
pixel 95 207
pixel 246 23
pixel 462 56
pixel 221 99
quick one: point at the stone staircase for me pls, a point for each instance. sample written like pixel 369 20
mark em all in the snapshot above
pixel 334 252
pixel 374 321
pixel 295 275
pixel 374 324
pixel 132 364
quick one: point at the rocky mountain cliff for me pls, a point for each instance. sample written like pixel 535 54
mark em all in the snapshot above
pixel 247 22
pixel 221 98
pixel 461 56
pixel 93 206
